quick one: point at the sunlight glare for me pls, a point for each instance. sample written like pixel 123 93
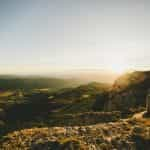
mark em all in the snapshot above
pixel 118 65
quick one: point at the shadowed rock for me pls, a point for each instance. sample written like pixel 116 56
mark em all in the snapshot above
pixel 148 104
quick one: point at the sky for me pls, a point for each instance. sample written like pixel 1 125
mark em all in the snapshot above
pixel 50 35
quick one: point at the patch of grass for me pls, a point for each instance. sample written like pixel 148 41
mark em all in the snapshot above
pixel 6 93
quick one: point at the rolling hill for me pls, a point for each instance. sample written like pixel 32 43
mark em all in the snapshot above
pixel 36 82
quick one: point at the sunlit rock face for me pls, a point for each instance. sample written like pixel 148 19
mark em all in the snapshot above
pixel 129 91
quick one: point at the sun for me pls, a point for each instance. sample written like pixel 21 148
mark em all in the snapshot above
pixel 119 68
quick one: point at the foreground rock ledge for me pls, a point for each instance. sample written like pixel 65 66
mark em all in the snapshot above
pixel 123 134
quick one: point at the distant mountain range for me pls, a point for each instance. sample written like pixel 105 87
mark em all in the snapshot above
pixel 58 81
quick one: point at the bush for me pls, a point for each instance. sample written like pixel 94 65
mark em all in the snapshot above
pixel 2 114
